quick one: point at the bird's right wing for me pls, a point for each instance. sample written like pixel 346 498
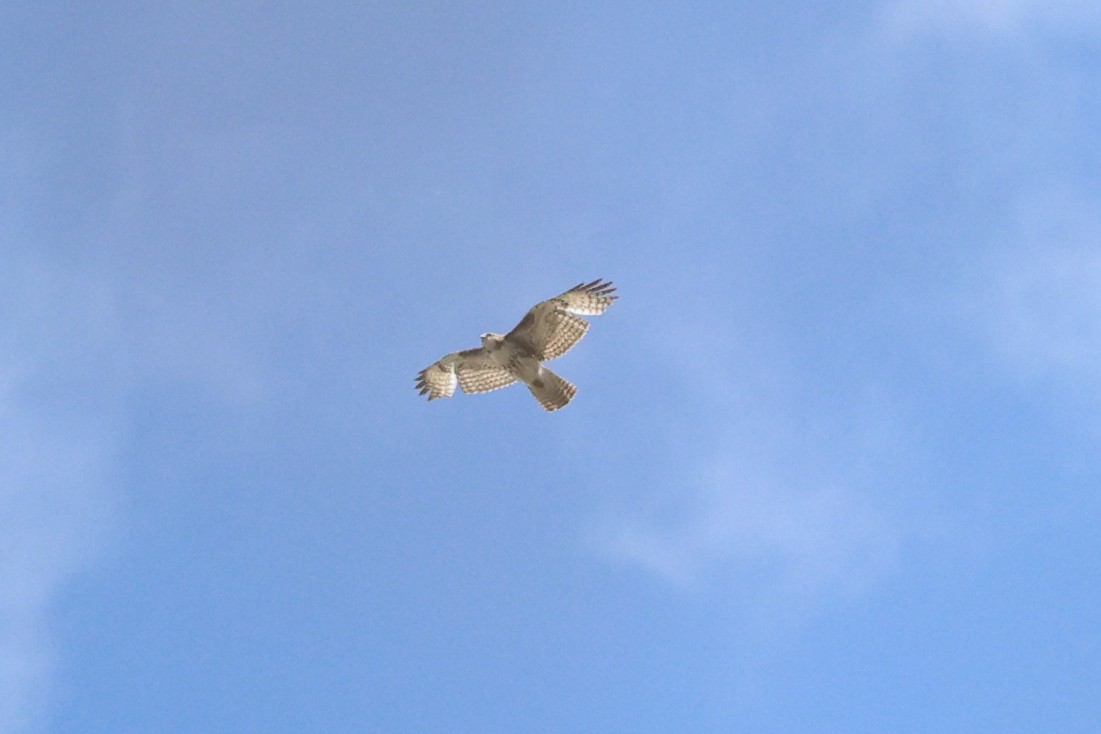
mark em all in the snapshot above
pixel 472 369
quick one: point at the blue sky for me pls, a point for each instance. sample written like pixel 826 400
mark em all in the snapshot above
pixel 833 463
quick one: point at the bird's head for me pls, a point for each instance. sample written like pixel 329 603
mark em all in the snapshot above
pixel 489 339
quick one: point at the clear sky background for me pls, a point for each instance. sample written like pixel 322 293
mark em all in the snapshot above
pixel 833 465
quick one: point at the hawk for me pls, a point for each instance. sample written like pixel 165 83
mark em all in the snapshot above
pixel 547 331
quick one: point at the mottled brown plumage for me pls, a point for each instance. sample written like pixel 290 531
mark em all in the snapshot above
pixel 549 330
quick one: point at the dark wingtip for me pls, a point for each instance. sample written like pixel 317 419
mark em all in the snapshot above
pixel 596 286
pixel 421 383
pixel 602 288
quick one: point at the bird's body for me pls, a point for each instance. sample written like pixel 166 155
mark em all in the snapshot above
pixel 547 331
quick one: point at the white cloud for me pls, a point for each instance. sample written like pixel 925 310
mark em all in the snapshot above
pixel 1003 18
pixel 785 539
pixel 56 506
pixel 76 342
pixel 1037 299
pixel 57 416
pixel 788 503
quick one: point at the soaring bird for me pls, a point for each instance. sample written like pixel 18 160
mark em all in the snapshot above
pixel 547 331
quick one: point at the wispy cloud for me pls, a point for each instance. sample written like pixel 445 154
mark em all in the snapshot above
pixel 56 507
pixel 802 497
pixel 785 538
pixel 75 345
pixel 785 500
pixel 58 416
pixel 1036 297
pixel 1003 18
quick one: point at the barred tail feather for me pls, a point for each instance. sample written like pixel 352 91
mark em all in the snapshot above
pixel 551 391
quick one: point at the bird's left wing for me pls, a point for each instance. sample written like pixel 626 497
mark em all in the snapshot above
pixel 551 328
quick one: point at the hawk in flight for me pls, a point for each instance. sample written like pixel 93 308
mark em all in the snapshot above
pixel 547 331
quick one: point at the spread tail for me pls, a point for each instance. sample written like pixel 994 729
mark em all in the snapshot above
pixel 550 390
